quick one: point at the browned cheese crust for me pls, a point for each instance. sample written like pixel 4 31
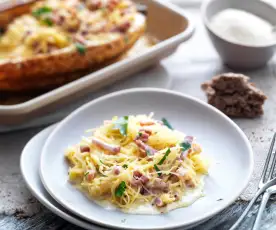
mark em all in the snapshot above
pixel 69 60
pixel 49 70
pixel 234 95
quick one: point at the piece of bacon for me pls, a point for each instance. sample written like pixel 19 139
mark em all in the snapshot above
pixel 108 147
pixel 84 148
pixel 139 179
pixel 145 148
pixel 159 185
pixel 147 123
pixel 117 170
pixel 148 131
pixel 158 202
pixel 91 175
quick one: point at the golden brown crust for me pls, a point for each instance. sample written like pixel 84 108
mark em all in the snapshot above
pixel 69 60
pixel 47 81
pixel 12 9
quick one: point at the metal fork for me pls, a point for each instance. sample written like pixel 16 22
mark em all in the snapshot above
pixel 265 183
pixel 270 191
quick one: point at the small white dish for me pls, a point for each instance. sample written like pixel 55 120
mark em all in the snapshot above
pixel 29 164
pixel 238 56
pixel 221 139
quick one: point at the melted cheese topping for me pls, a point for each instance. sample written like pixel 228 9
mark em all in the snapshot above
pixel 55 24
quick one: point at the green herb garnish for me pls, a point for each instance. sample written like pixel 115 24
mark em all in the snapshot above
pixel 164 157
pixel 125 166
pixel 140 134
pixel 165 122
pixel 121 124
pixel 86 173
pixel 80 48
pixel 40 11
pixel 120 189
pixel 126 39
pixel 48 21
pixel 101 162
pixel 157 170
pixel 148 152
pixel 185 146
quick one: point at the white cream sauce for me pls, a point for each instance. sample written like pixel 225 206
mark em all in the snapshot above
pixel 188 199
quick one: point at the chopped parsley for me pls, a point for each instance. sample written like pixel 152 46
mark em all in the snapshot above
pixel 48 21
pixel 148 152
pixel 42 10
pixel 80 48
pixel 165 122
pixel 86 173
pixel 157 170
pixel 126 39
pixel 140 134
pixel 101 162
pixel 121 124
pixel 125 166
pixel 164 157
pixel 185 146
pixel 120 189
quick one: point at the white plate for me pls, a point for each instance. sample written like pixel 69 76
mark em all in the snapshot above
pixel 220 138
pixel 29 164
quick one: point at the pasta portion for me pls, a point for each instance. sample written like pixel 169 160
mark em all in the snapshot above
pixel 137 161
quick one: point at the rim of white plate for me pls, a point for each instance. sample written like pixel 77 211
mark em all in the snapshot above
pixel 39 197
pixel 135 90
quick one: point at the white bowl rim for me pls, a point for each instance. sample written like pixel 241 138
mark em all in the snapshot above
pixel 209 214
pixel 206 22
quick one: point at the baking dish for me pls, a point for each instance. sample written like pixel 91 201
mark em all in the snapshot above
pixel 176 28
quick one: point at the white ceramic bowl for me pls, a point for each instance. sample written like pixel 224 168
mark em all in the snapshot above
pixel 221 139
pixel 234 55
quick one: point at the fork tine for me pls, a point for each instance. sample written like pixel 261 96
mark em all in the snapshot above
pixel 268 160
pixel 270 175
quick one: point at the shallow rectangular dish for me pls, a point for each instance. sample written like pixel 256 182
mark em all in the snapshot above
pixel 176 28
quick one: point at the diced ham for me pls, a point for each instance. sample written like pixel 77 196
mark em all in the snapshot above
pixel 144 179
pixel 94 4
pixel 158 202
pixel 139 179
pixel 147 123
pixel 148 131
pixel 117 170
pixel 122 28
pixel 137 174
pixel 159 185
pixel 189 139
pixel 145 148
pixel 84 148
pixel 112 4
pixel 91 175
pixel 108 147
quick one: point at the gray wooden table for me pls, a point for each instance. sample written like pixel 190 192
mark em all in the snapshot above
pixel 193 63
